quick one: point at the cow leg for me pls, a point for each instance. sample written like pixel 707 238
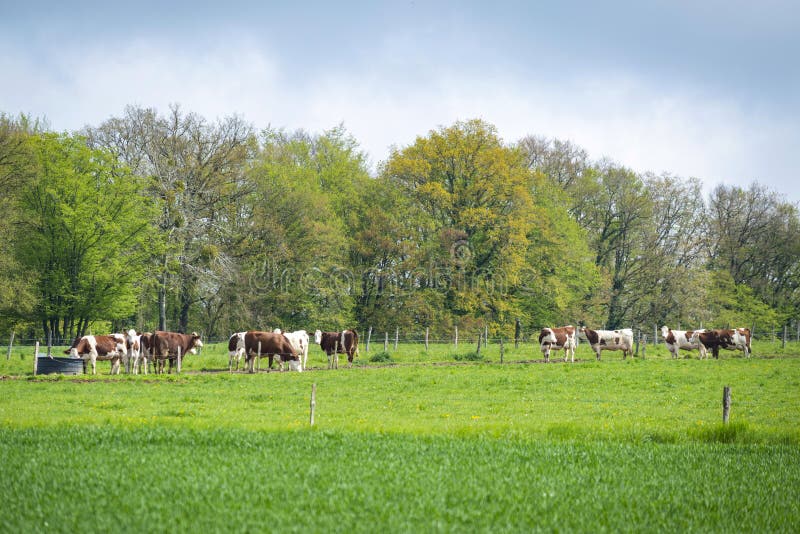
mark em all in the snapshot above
pixel 715 351
pixel 597 352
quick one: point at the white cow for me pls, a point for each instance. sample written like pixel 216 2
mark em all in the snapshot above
pixel 299 340
pixel 680 339
pixel 601 340
pixel 558 339
pixel 235 349
pixel 131 358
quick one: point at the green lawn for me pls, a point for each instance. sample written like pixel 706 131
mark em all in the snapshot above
pixel 422 444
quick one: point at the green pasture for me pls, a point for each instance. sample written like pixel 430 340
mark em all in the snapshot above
pixel 426 442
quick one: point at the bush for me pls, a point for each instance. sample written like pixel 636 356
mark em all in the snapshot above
pixel 382 357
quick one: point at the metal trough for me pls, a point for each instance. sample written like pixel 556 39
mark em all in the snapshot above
pixel 65 366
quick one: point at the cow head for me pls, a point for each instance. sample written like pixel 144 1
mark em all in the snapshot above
pixel 318 337
pixel 195 343
pixel 664 331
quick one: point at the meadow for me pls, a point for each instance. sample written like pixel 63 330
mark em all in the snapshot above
pixel 433 440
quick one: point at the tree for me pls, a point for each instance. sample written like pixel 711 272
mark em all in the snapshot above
pixel 197 173
pixel 81 221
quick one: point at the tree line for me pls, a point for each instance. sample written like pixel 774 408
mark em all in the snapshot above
pixel 172 221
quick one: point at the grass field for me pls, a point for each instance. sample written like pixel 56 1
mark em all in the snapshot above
pixel 424 443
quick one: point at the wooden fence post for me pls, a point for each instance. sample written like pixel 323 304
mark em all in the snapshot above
pixel 638 338
pixel 644 346
pixel 726 404
pixel 10 346
pixel 478 351
pixel 386 342
pixel 49 343
pixel 783 342
pixel 179 361
pixel 517 332
pixel 258 358
pixel 369 337
pixel 456 341
pixel 427 331
pixel 655 335
pixel 396 337
pixel 486 335
pixel 313 401
pixel 35 358
pixel 501 349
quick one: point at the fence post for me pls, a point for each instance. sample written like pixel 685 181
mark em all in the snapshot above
pixel 427 332
pixel 726 404
pixel 486 335
pixel 644 345
pixel 501 349
pixel 10 346
pixel 783 342
pixel 35 358
pixel 456 341
pixel 313 401
pixel 396 336
pixel 655 335
pixel 369 337
pixel 386 342
pixel 258 358
pixel 49 342
pixel 517 331
pixel 479 344
pixel 638 337
pixel 179 361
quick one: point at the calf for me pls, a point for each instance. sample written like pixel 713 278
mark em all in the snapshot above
pixel 258 343
pixel 146 342
pixel 299 340
pixel 235 349
pixel 558 339
pixel 729 339
pixel 92 348
pixel 167 345
pixel 335 343
pixel 680 339
pixel 601 340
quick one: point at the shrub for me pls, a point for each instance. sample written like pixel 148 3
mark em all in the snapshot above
pixel 469 357
pixel 382 357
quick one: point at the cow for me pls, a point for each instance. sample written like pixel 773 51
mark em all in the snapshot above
pixel 131 358
pixel 146 342
pixel 335 343
pixel 558 339
pixel 92 348
pixel 601 340
pixel 167 345
pixel 730 339
pixel 679 339
pixel 235 349
pixel 257 343
pixel 299 340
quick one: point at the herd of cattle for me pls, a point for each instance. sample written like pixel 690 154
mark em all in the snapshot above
pixel 702 340
pixel 135 350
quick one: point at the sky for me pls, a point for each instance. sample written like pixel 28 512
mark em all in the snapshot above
pixel 708 89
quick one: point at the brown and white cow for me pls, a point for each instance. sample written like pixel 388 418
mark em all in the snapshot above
pixel 257 343
pixel 729 339
pixel 235 349
pixel 165 345
pixel 680 339
pixel 601 340
pixel 146 354
pixel 561 338
pixel 92 348
pixel 335 343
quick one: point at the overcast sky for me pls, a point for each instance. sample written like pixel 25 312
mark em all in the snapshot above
pixel 697 88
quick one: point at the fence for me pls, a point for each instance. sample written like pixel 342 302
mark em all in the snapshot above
pixel 386 339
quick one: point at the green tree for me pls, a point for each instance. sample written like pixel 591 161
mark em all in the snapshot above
pixel 81 221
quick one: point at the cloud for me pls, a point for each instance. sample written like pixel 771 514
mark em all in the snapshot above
pixel 384 101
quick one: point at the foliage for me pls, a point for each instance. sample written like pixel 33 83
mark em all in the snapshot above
pixel 79 231
pixel 381 357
